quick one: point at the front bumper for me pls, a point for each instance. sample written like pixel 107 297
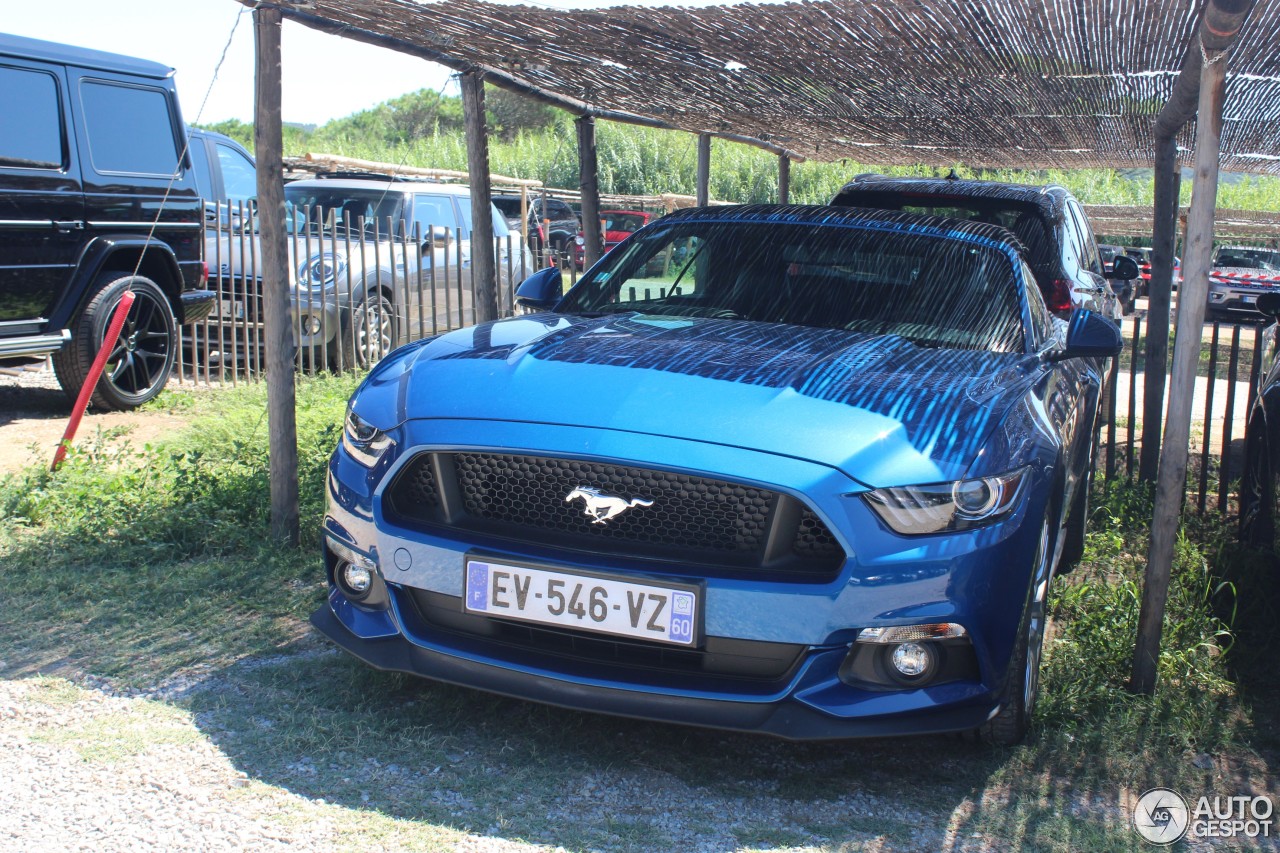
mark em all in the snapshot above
pixel 1239 302
pixel 782 718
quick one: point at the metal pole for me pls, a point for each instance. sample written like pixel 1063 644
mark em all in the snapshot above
pixel 483 274
pixel 704 169
pixel 269 150
pixel 1168 179
pixel 1172 479
pixel 589 187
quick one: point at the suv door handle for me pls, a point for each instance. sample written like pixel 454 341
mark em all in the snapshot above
pixel 66 226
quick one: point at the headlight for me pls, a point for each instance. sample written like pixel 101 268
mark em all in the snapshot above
pixel 363 440
pixel 322 271
pixel 941 507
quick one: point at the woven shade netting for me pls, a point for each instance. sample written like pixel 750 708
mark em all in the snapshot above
pixel 988 83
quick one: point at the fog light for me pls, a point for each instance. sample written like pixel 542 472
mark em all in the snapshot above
pixel 355 578
pixel 912 660
pixel 310 324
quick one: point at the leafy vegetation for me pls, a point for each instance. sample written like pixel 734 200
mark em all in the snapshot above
pixel 534 141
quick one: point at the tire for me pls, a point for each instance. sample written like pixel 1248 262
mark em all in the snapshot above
pixel 370 333
pixel 1022 679
pixel 142 360
pixel 1077 525
pixel 1258 490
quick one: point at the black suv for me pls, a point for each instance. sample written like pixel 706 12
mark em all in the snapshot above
pixel 1051 224
pixel 556 227
pixel 96 199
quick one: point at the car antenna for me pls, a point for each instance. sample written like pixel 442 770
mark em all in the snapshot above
pixel 952 176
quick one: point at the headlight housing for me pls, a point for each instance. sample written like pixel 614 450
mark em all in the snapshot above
pixel 365 442
pixel 942 507
pixel 321 272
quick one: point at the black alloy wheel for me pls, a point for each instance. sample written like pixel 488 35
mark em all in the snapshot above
pixel 139 365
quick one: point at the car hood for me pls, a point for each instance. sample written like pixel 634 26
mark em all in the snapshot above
pixel 879 408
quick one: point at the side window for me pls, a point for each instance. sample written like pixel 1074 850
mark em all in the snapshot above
pixel 130 129
pixel 239 180
pixel 35 141
pixel 433 211
pixel 1071 250
pixel 1090 259
pixel 559 210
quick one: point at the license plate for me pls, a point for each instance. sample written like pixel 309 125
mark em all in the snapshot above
pixel 232 309
pixel 606 605
pixel 1249 300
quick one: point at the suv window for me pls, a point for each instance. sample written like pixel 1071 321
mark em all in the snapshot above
pixel 1089 257
pixel 239 180
pixel 559 210
pixel 130 129
pixel 433 211
pixel 35 142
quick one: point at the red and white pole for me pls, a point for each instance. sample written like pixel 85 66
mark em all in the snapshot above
pixel 95 373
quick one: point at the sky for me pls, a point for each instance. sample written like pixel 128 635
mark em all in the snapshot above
pixel 324 76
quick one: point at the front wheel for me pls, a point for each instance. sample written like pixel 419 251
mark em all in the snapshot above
pixel 1259 489
pixel 139 365
pixel 371 332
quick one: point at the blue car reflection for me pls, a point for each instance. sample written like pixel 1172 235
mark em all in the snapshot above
pixel 805 471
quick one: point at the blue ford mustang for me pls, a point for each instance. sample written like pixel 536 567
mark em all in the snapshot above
pixel 804 471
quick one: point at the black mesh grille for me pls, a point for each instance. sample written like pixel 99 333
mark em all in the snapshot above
pixel 668 509
pixel 814 539
pixel 414 494
pixel 695 525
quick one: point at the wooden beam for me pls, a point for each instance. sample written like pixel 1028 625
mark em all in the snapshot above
pixel 784 179
pixel 589 186
pixel 1171 482
pixel 281 394
pixel 483 273
pixel 1167 179
pixel 1219 28
pixel 703 190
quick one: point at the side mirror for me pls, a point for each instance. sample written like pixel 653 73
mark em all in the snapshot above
pixel 441 235
pixel 1124 268
pixel 1269 304
pixel 1090 335
pixel 542 290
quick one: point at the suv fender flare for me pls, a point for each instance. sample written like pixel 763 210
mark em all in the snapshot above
pixel 95 257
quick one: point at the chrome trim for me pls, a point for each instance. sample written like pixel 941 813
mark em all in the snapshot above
pixel 123 224
pixel 35 345
pixel 26 223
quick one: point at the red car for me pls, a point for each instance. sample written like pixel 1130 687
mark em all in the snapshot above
pixel 618 226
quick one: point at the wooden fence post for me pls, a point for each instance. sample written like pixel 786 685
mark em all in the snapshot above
pixel 281 393
pixel 1168 178
pixel 1171 482
pixel 784 179
pixel 483 274
pixel 589 189
pixel 703 192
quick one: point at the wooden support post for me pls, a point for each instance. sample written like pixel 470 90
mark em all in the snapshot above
pixel 589 187
pixel 1168 179
pixel 703 192
pixel 784 179
pixel 281 395
pixel 483 273
pixel 1171 482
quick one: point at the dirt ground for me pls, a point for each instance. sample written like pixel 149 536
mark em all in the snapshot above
pixel 34 413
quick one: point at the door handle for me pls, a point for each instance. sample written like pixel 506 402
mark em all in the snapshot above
pixel 66 226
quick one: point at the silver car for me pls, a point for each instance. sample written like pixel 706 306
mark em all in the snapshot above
pixel 1241 274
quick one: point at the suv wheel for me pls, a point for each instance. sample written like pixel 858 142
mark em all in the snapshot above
pixel 140 363
pixel 373 332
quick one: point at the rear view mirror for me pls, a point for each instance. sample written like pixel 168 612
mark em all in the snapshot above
pixel 1269 304
pixel 1124 268
pixel 441 235
pixel 542 290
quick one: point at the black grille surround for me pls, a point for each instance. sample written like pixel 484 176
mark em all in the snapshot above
pixel 695 525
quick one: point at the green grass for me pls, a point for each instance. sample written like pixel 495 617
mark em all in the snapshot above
pixel 153 566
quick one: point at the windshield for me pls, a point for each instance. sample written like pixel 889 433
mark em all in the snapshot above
pixel 1257 259
pixel 335 207
pixel 933 291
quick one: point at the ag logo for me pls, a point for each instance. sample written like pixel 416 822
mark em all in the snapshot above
pixel 1161 816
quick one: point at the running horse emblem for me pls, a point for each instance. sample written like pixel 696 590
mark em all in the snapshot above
pixel 602 507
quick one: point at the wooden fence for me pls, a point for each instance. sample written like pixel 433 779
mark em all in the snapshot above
pixel 1226 384
pixel 357 291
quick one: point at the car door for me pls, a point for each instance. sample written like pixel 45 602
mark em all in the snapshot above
pixel 41 199
pixel 444 261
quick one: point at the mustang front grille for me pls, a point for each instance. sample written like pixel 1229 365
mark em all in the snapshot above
pixel 615 509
